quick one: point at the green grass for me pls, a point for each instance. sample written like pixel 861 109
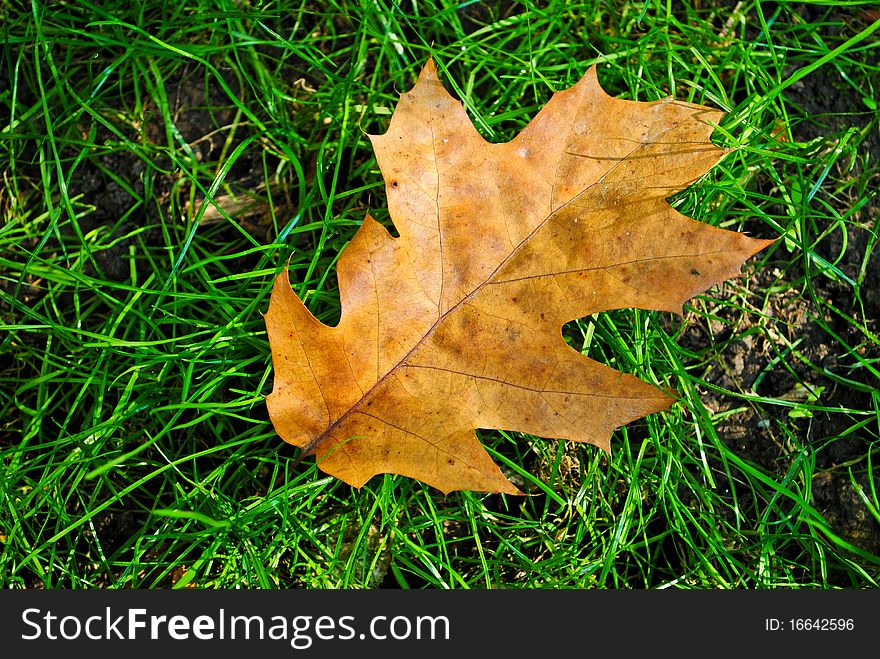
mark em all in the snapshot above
pixel 135 447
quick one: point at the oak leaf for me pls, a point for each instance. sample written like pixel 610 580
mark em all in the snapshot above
pixel 457 323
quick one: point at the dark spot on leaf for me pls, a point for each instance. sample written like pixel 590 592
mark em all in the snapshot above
pixel 695 272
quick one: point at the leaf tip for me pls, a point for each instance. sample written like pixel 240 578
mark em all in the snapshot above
pixel 508 488
pixel 429 70
pixel 590 78
pixel 759 244
pixel 513 490
pixel 672 397
pixel 281 279
pixel 750 247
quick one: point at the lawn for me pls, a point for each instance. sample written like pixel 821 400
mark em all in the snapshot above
pixel 163 161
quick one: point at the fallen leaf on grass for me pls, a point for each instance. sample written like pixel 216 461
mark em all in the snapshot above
pixel 456 325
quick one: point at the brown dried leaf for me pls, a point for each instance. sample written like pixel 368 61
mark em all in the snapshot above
pixel 456 324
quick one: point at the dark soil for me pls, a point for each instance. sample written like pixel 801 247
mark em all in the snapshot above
pixel 831 108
